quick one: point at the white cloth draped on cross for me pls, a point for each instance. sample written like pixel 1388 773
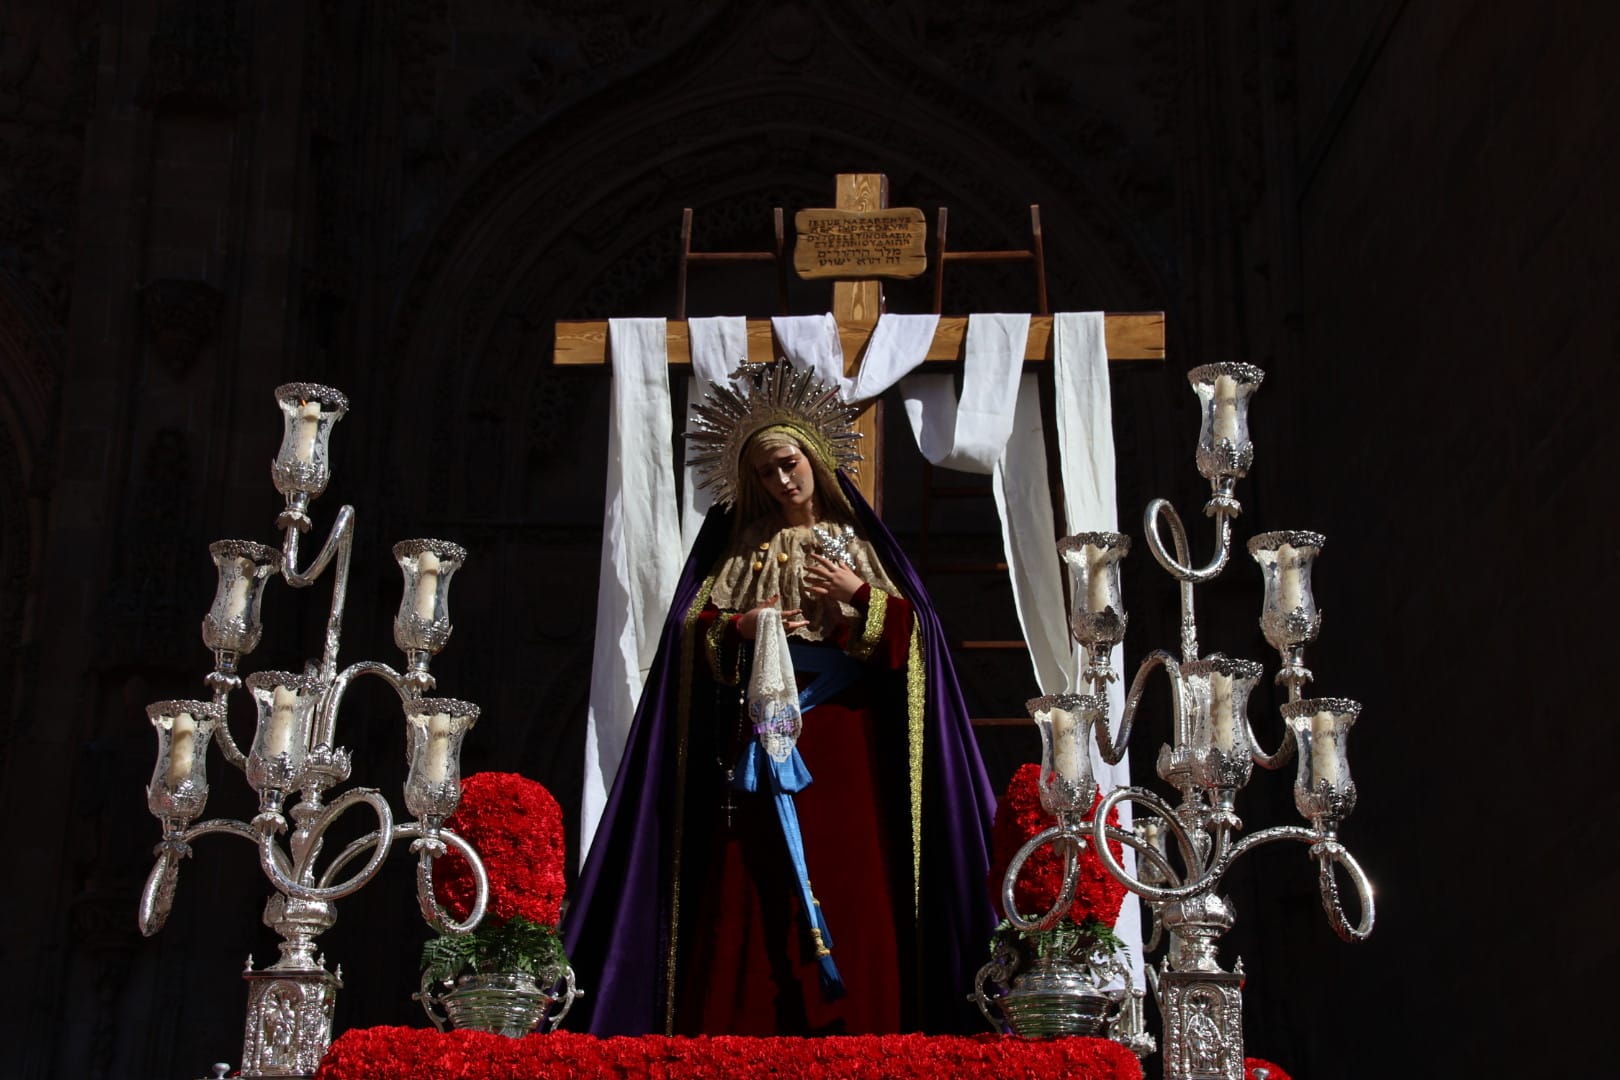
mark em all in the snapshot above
pixel 995 428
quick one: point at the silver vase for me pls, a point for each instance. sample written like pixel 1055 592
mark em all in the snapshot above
pixel 1056 996
pixel 503 1002
pixel 511 1003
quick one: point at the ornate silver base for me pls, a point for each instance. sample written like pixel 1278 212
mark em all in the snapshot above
pixel 1203 1025
pixel 289 1021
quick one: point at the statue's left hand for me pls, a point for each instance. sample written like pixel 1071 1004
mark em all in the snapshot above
pixel 823 577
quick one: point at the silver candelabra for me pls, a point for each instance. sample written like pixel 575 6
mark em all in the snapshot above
pixel 1185 850
pixel 294 749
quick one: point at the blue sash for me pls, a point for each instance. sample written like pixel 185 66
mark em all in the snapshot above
pixel 757 770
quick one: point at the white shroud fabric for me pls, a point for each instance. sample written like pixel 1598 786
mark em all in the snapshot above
pixel 997 429
pixel 897 345
pixel 1085 431
pixel 641 552
pixel 811 343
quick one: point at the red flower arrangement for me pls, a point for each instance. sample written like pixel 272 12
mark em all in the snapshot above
pixel 400 1053
pixel 1251 1063
pixel 1019 816
pixel 516 827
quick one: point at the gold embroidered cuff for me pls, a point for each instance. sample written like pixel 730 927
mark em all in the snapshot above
pixel 877 608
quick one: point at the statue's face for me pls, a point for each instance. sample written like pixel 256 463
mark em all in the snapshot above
pixel 784 472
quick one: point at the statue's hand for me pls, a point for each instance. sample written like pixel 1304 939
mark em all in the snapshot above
pixel 823 577
pixel 748 621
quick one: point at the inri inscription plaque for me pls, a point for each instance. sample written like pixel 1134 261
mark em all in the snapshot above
pixel 888 243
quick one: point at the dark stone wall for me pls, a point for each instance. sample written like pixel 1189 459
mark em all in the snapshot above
pixel 1398 209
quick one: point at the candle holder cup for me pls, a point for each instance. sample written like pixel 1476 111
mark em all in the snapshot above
pixel 1067 785
pixel 422 624
pixel 1098 618
pixel 233 623
pixel 178 790
pixel 1217 693
pixel 1288 615
pixel 285 703
pixel 1225 451
pixel 1324 793
pixel 434 729
pixel 303 465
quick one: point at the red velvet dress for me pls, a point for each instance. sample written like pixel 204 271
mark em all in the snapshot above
pixel 749 964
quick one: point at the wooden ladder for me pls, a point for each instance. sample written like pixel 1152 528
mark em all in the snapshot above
pixel 688 257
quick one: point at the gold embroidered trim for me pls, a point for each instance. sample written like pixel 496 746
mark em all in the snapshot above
pixel 714 651
pixel 683 717
pixel 821 949
pixel 876 611
pixel 915 692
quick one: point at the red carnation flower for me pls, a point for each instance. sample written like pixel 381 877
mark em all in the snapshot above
pixel 1019 816
pixel 516 827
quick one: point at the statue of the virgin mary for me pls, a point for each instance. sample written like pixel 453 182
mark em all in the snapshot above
pixel 797 840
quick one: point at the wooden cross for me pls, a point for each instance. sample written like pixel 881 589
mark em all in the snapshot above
pixel 856 307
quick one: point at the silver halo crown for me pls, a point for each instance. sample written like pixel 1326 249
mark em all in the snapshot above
pixel 761 396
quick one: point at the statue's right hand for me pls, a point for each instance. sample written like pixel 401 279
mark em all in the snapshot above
pixel 748 621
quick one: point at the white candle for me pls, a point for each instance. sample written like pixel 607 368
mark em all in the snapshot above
pixel 236 600
pixel 279 738
pixel 427 585
pixel 1220 711
pixel 437 761
pixel 1288 574
pixel 309 423
pixel 1225 409
pixel 1324 749
pixel 182 748
pixel 1096 578
pixel 1066 747
pixel 1150 833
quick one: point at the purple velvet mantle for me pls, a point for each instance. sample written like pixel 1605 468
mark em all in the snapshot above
pixel 616 930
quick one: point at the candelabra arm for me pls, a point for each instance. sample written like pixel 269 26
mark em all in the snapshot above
pixel 1219 859
pixel 230 827
pixel 1285 750
pixel 1326 854
pixel 431 843
pixel 1272 835
pixel 1115 752
pixel 1071 843
pixel 416 831
pixel 223 738
pixel 157 895
pixel 326 722
pixel 361 845
pixel 1143 850
pixel 1327 851
pixel 292 883
pixel 339 543
pixel 1179 564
